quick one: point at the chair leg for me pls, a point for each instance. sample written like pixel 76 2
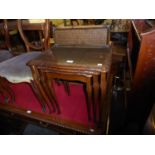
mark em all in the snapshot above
pixel 6 91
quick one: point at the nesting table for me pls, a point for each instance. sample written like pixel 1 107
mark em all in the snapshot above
pixel 89 65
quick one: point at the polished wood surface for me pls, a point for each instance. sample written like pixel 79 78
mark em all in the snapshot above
pixel 85 58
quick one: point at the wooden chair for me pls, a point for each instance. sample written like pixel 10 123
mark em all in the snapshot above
pixel 15 70
pixel 5 53
pixel 42 28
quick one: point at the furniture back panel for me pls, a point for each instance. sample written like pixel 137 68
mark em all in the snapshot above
pixel 81 36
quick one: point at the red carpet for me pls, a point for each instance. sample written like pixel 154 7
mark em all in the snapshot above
pixel 72 107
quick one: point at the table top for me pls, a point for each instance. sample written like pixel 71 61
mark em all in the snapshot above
pixel 97 58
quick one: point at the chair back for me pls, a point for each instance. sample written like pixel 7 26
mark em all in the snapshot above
pixel 42 27
pixel 90 35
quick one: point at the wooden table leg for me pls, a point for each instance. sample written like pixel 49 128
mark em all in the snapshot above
pixel 89 96
pixel 36 78
pixel 51 93
pixel 102 112
pixel 96 96
pixel 106 86
pixel 41 100
pixel 47 84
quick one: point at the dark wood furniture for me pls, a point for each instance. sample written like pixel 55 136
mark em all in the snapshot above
pixel 28 30
pixel 141 51
pixel 6 50
pixel 141 54
pixel 90 35
pixel 7 26
pixel 43 28
pixel 72 64
pixel 12 38
pixel 6 34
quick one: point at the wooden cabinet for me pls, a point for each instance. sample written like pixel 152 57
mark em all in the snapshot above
pixel 142 51
pixel 141 60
